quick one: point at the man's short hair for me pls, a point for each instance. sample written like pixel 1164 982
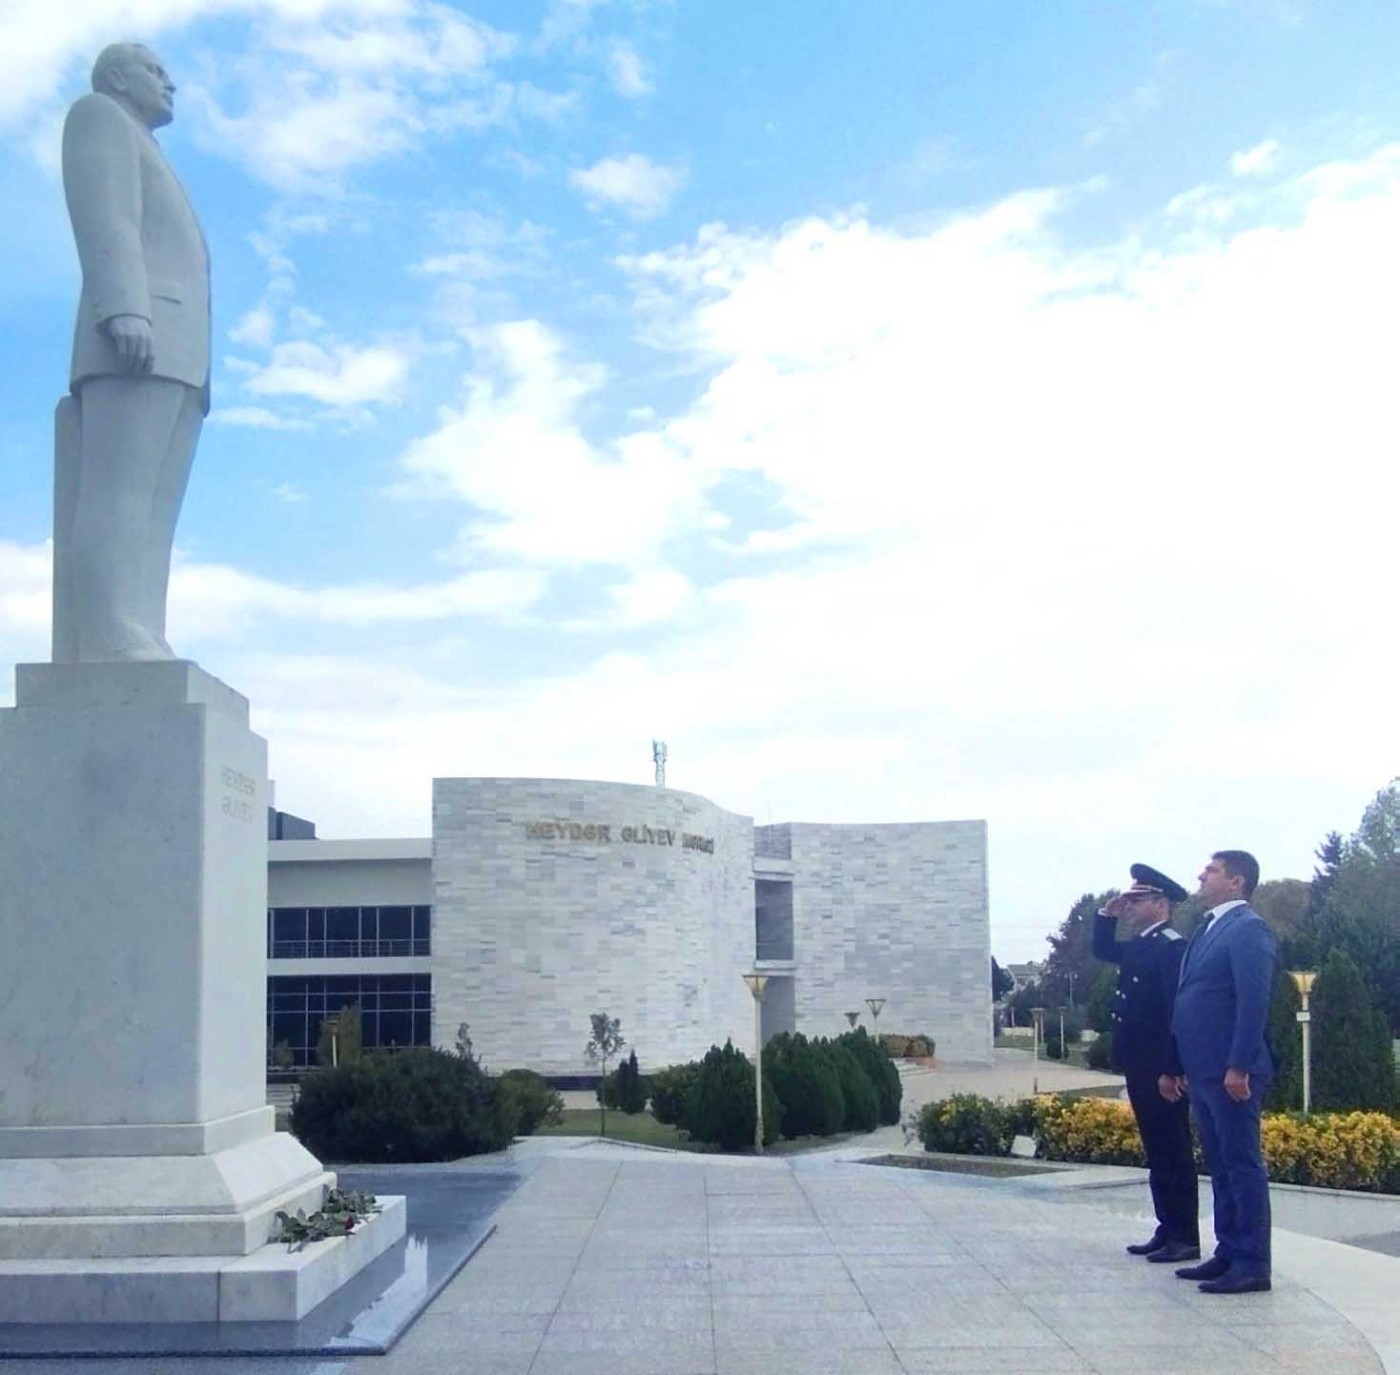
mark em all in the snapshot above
pixel 1240 864
pixel 112 57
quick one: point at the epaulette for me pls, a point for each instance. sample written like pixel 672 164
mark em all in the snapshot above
pixel 1170 932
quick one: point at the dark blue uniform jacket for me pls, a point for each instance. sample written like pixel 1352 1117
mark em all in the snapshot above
pixel 1148 968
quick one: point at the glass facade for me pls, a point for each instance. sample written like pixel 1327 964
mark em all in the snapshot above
pixel 348 933
pixel 395 1009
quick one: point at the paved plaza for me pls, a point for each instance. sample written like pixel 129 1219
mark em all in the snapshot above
pixel 615 1260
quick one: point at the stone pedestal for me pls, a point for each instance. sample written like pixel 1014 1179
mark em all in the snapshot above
pixel 135 1139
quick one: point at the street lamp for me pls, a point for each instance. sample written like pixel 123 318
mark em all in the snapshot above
pixel 1038 1030
pixel 853 1018
pixel 1304 980
pixel 757 983
pixel 875 1004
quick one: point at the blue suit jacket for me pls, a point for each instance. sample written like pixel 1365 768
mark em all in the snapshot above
pixel 1221 1014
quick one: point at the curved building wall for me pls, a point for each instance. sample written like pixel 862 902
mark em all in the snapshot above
pixel 554 899
pixel 895 911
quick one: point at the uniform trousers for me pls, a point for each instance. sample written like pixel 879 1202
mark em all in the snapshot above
pixel 1165 1129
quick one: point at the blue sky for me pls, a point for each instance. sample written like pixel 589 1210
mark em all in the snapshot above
pixel 906 410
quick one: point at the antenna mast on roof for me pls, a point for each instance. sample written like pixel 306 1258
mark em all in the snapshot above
pixel 658 757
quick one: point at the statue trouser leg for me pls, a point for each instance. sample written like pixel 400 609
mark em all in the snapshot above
pixel 171 482
pixel 138 441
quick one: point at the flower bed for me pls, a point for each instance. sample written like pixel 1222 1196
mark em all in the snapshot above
pixel 1353 1150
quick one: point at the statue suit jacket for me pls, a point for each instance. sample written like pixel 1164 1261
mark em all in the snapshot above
pixel 140 245
pixel 1221 1013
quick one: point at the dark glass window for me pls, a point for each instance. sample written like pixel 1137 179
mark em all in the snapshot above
pixel 395 1011
pixel 300 933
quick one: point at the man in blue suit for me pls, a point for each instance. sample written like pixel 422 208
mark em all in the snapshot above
pixel 1219 1048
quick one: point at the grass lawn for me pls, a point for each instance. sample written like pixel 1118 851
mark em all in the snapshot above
pixel 645 1130
pixel 639 1127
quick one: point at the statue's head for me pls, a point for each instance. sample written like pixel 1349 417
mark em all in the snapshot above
pixel 132 74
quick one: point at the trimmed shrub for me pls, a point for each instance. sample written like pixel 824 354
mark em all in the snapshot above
pixel 880 1069
pixel 860 1104
pixel 1100 1052
pixel 1097 1131
pixel 632 1087
pixel 720 1106
pixel 528 1101
pixel 907 1047
pixel 806 1083
pixel 1353 1057
pixel 965 1124
pixel 1353 1150
pixel 418 1104
pixel 670 1088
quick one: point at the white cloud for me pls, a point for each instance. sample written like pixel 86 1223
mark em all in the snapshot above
pixel 333 373
pixel 627 71
pixel 635 184
pixel 515 454
pixel 217 600
pixel 257 328
pixel 257 418
pixel 50 45
pixel 289 492
pixel 1256 161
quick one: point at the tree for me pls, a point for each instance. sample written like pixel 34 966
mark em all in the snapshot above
pixel 1354 903
pixel 1353 1063
pixel 604 1041
pixel 1002 982
pixel 1329 858
pixel 1286 1042
pixel 1071 969
pixel 1283 903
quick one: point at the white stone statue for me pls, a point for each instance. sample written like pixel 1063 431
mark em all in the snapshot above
pixel 126 436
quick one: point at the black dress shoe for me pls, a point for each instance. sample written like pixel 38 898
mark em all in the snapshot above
pixel 1211 1269
pixel 1145 1248
pixel 1171 1252
pixel 1237 1284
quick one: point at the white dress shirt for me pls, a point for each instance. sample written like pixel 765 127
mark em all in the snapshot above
pixel 1222 909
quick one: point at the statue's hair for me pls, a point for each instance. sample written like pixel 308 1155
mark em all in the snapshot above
pixel 111 57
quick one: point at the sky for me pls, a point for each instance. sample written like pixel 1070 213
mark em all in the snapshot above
pixel 907 411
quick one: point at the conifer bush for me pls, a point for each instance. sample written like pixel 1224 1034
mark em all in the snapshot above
pixel 880 1069
pixel 806 1083
pixel 1353 1060
pixel 530 1101
pixel 721 1104
pixel 626 1088
pixel 670 1088
pixel 417 1104
pixel 860 1104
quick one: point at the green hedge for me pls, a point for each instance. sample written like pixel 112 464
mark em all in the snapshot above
pixel 412 1105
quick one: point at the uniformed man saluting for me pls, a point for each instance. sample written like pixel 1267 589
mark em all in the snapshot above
pixel 1134 932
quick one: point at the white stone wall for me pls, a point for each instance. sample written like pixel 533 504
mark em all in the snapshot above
pixel 554 899
pixel 899 912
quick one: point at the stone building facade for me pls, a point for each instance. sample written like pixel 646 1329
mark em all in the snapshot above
pixel 540 901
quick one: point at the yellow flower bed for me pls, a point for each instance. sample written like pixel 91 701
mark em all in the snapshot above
pixel 1097 1131
pixel 1353 1150
pixel 1344 1150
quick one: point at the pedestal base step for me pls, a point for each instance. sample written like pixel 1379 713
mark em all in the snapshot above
pixel 272 1284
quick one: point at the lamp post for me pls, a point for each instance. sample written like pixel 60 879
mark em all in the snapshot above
pixel 853 1018
pixel 757 983
pixel 875 1004
pixel 1037 1030
pixel 1304 980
